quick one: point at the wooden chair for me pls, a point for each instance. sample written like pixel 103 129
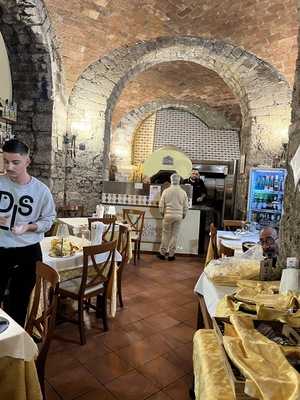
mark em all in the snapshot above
pixel 212 251
pixel 52 231
pixel 71 210
pixel 225 251
pixel 233 224
pixel 109 231
pixel 93 283
pixel 135 218
pixel 122 247
pixel 45 298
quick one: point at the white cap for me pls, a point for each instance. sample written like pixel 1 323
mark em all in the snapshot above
pixel 292 262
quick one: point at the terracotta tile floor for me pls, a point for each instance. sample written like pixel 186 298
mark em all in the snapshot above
pixel 147 352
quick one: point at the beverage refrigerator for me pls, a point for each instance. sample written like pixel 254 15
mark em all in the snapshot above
pixel 265 196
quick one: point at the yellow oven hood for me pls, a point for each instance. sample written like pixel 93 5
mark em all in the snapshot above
pixel 168 158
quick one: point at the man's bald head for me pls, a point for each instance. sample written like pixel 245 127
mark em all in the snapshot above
pixel 268 240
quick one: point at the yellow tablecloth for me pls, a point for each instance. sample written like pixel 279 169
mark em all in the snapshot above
pixel 18 380
pixel 269 374
pixel 211 378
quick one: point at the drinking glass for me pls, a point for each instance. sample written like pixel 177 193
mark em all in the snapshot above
pixel 63 231
pixel 85 236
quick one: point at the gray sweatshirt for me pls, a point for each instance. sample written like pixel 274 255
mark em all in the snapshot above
pixel 25 204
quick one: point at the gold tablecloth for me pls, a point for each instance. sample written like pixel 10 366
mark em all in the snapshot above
pixel 18 380
pixel 210 374
pixel 269 374
pixel 263 302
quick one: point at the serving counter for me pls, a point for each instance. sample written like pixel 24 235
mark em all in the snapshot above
pixel 188 238
pixel 146 197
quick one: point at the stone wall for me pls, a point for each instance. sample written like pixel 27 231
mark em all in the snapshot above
pixel 290 222
pixel 34 63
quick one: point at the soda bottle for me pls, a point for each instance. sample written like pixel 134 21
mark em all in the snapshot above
pixel 276 183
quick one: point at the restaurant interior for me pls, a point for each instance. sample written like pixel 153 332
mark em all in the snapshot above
pixel 113 97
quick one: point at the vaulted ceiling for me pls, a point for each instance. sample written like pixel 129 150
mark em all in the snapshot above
pixel 87 30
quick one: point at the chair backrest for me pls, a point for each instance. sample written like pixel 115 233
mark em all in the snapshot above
pixel 43 312
pixel 123 242
pixel 52 231
pixel 213 238
pixel 135 218
pixel 71 210
pixel 109 231
pixel 233 224
pixel 225 251
pixel 95 273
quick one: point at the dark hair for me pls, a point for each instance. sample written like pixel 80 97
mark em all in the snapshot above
pixel 15 146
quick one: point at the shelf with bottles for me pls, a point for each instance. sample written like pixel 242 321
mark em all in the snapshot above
pixel 269 183
pixel 263 191
pixel 8 111
pixel 265 210
pixel 267 201
pixel 265 218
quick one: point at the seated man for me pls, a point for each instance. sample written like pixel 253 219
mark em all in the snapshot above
pixel 269 241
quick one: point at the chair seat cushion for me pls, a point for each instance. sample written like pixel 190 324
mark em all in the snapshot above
pixel 73 286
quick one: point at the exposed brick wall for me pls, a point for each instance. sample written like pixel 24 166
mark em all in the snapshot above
pixel 143 140
pixel 123 135
pixel 88 30
pixel 189 134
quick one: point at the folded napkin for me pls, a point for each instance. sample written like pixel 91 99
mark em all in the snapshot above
pixel 97 229
pixel 99 210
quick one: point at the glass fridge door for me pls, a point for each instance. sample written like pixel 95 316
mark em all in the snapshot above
pixel 265 196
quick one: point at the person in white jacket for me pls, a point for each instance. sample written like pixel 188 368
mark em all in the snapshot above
pixel 27 210
pixel 173 206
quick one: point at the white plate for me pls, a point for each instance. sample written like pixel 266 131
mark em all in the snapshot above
pixel 228 237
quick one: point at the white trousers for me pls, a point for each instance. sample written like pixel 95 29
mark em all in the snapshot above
pixel 170 230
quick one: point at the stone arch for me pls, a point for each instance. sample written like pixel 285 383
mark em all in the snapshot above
pixel 264 94
pixel 123 135
pixel 35 67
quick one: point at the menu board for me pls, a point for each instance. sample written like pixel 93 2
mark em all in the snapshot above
pixel 154 193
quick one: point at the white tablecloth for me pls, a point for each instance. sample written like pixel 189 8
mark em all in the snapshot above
pixel 70 262
pixel 15 342
pixel 212 293
pixel 234 240
pixel 76 222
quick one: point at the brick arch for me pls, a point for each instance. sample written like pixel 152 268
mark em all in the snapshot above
pixel 263 93
pixel 123 135
pixel 34 65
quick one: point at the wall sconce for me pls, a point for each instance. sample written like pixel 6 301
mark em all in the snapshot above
pixel 69 142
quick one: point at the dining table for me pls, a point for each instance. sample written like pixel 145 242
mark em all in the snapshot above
pixel 18 374
pixel 79 225
pixel 235 239
pixel 211 292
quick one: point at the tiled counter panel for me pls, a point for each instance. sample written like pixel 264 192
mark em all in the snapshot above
pixel 189 231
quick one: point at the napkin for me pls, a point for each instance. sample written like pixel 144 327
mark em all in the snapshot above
pixel 99 210
pixel 97 232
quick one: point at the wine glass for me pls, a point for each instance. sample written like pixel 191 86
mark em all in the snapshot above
pixel 62 233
